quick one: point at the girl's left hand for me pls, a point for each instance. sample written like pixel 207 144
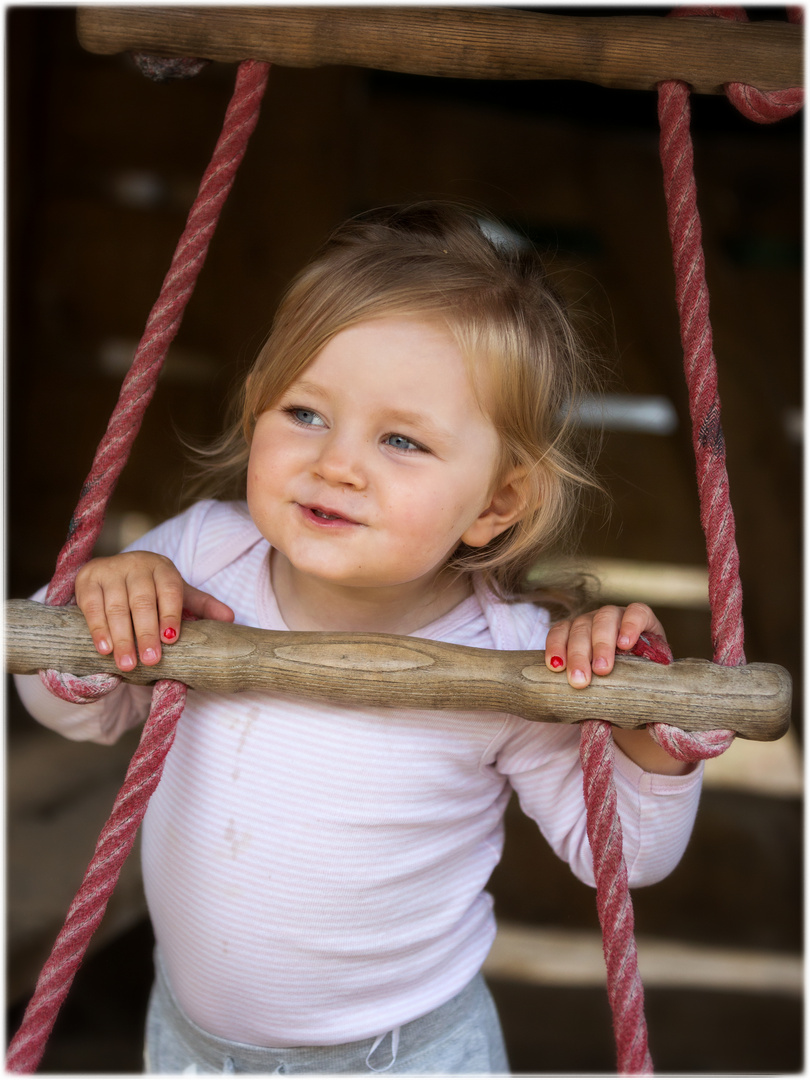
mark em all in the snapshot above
pixel 587 644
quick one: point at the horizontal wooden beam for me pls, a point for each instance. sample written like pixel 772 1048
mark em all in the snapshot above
pixel 632 52
pixel 388 670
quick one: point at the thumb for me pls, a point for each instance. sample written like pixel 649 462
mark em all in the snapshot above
pixel 204 605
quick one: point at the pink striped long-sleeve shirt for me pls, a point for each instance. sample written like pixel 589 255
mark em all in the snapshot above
pixel 317 874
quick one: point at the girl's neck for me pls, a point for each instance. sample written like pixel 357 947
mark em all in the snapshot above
pixel 307 603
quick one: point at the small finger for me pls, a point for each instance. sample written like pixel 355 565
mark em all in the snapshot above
pixel 143 609
pixel 556 649
pixel 90 599
pixel 169 598
pixel 604 634
pixel 579 653
pixel 119 620
pixel 636 619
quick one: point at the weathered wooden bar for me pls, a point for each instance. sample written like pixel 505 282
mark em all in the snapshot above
pixel 631 52
pixel 389 670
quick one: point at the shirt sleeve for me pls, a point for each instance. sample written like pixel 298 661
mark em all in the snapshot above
pixel 101 721
pixel 657 812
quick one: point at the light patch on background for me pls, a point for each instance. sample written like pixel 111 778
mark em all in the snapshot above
pixel 122 529
pixel 651 415
pixel 562 957
pixel 664 584
pixel 138 188
pixel 793 420
pixel 654 583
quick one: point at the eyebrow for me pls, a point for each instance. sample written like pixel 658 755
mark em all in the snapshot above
pixel 301 386
pixel 420 421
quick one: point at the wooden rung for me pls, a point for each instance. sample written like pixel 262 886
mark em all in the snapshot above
pixel 390 670
pixel 632 52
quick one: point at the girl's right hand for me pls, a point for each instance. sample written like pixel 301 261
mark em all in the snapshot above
pixel 139 597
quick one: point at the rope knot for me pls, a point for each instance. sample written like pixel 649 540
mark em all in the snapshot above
pixel 691 745
pixel 79 691
pixel 681 745
pixel 763 107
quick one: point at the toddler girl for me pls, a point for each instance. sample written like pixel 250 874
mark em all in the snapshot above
pixel 316 873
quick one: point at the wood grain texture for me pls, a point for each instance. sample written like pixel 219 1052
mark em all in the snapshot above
pixel 389 670
pixel 631 52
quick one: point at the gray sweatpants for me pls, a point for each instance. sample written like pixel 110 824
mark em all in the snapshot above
pixel 461 1037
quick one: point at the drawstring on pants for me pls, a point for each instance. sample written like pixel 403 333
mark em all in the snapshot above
pixel 394 1033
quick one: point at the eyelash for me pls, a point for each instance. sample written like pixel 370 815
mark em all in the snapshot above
pixel 414 448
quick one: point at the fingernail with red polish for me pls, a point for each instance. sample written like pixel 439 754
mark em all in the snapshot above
pixel 169 634
pixel 557 662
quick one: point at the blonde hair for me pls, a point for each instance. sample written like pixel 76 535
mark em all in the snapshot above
pixel 529 367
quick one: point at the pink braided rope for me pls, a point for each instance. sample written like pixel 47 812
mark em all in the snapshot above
pixel 692 296
pixel 161 327
pixel 614 904
pixel 168 698
pixel 86 911
pixel 700 366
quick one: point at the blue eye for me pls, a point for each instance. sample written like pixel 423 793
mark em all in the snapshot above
pixel 402 442
pixel 306 417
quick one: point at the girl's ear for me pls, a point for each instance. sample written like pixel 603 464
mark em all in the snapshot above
pixel 507 505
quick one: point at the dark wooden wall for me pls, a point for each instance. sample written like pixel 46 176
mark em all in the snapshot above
pixel 101 168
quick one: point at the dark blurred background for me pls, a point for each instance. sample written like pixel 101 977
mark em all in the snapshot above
pixel 102 167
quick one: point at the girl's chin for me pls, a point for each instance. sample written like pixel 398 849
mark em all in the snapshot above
pixel 315 568
pixel 303 573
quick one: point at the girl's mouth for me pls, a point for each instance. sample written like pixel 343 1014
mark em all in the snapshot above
pixel 323 515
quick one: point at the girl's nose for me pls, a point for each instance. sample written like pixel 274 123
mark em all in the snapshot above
pixel 341 461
